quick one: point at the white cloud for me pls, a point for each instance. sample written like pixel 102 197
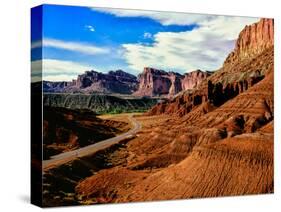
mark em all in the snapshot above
pixel 84 48
pixel 165 18
pixel 147 35
pixel 57 70
pixel 204 47
pixel 90 28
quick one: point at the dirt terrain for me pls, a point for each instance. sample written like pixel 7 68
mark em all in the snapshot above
pixel 68 129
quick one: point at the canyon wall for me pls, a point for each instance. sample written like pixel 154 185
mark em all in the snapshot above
pixel 154 82
pixel 252 40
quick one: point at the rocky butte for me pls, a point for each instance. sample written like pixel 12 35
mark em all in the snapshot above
pixel 151 82
pixel 155 82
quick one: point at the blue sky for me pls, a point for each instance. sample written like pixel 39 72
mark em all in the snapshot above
pixel 76 39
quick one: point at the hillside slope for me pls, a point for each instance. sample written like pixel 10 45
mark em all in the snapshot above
pixel 68 129
pixel 98 103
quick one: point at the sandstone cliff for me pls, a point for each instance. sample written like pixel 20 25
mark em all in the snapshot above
pixel 154 82
pixel 193 79
pixel 252 40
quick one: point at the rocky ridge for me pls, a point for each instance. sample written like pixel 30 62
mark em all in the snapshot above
pixel 252 40
pixel 113 82
pixel 151 82
pixel 96 82
pixel 154 82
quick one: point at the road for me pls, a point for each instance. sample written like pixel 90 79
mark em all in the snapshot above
pixel 65 157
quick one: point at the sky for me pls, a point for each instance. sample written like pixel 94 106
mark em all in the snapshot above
pixel 75 39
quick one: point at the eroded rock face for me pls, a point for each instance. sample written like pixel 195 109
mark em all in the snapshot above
pixel 193 79
pixel 176 85
pixel 92 81
pixel 253 40
pixel 154 82
pixel 55 86
pixel 151 82
pixel 113 82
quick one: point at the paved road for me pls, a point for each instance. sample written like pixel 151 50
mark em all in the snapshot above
pixel 87 150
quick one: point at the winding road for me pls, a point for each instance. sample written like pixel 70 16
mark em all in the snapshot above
pixel 65 157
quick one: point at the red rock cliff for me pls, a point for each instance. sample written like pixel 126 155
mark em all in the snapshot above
pixel 193 79
pixel 253 40
pixel 154 82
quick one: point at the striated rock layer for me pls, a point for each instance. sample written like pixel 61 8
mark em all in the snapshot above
pixel 154 82
pixel 193 79
pixel 253 40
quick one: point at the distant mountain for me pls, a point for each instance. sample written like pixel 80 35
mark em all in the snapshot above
pixel 55 86
pixel 151 82
pixel 96 82
pixel 154 82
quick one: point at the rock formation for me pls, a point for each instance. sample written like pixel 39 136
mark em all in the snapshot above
pixel 253 40
pixel 55 86
pixel 113 82
pixel 193 79
pixel 151 82
pixel 243 68
pixel 154 82
pixel 96 82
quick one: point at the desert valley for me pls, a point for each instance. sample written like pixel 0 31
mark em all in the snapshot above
pixel 116 137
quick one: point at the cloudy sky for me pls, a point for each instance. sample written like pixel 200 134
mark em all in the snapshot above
pixel 76 39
